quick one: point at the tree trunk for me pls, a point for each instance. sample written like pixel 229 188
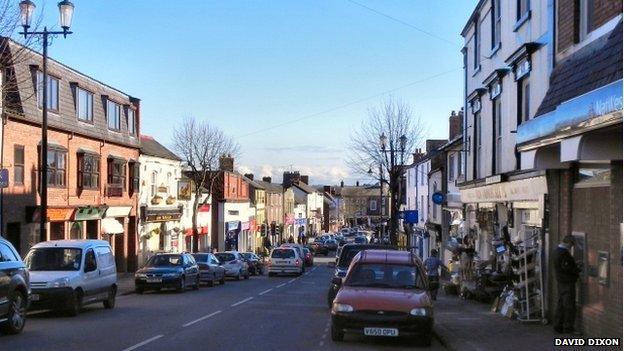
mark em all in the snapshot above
pixel 194 222
pixel 394 209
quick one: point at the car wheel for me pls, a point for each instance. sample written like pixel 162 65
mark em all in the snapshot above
pixel 109 303
pixel 336 335
pixel 196 285
pixel 181 285
pixel 16 316
pixel 222 281
pixel 74 305
pixel 139 290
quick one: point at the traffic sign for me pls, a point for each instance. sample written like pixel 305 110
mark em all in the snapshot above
pixel 437 198
pixel 410 216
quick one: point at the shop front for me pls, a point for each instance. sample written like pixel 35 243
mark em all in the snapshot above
pixel 301 225
pixel 232 232
pixel 115 227
pixel 203 229
pixel 160 230
pixel 86 223
pixel 58 218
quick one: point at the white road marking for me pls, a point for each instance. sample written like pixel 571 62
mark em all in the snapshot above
pixel 201 319
pixel 279 286
pixel 266 291
pixel 292 280
pixel 241 302
pixel 143 343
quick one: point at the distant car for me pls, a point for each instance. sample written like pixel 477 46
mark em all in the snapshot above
pixel 163 271
pixel 309 257
pixel 343 261
pixel 341 240
pixel 69 274
pixel 210 271
pixel 285 260
pixel 14 291
pixel 331 244
pixel 254 262
pixel 318 248
pixel 234 264
pixel 385 293
pixel 360 239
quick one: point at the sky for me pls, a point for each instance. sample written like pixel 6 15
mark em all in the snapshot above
pixel 289 80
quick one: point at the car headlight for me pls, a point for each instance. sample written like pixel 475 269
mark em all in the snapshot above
pixel 418 311
pixel 59 283
pixel 341 307
pixel 140 275
pixel 170 275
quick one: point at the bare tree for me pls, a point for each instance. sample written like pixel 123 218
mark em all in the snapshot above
pixel 384 141
pixel 201 144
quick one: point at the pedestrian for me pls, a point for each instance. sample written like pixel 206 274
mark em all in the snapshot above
pixel 432 266
pixel 566 273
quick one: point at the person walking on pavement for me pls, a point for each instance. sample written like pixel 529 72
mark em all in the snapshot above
pixel 433 265
pixel 567 273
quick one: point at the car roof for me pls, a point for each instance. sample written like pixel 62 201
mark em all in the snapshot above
pixel 386 256
pixel 78 244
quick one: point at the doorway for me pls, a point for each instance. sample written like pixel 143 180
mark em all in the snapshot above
pixel 14 235
pixel 132 243
pixel 57 230
pixel 92 229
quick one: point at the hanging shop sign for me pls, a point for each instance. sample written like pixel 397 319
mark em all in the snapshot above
pixel 184 189
pixel 161 214
pixel 518 190
pixel 89 213
pixel 410 217
pixel 301 221
pixel 232 225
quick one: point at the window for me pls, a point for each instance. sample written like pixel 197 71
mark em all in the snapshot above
pixel 153 187
pixel 88 171
pixel 585 20
pixel 596 175
pixel 524 100
pixel 477 146
pixel 56 167
pixel 451 168
pixel 522 9
pixel 18 164
pixel 496 23
pixel 117 172
pixel 6 254
pixel 373 205
pixel 113 115
pixel 52 89
pixel 169 185
pixel 135 169
pixel 90 261
pixel 498 136
pixel 460 165
pixel 422 205
pixel 131 122
pixel 476 43
pixel 84 105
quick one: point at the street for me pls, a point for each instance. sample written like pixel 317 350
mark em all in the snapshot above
pixel 285 312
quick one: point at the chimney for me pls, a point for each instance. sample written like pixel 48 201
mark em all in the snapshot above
pixel 455 124
pixel 249 175
pixel 226 163
pixel 289 178
pixel 327 189
pixel 304 179
pixel 357 183
pixel 342 183
pixel 266 179
pixel 418 155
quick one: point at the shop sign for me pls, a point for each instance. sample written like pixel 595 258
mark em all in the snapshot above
pixel 410 216
pixel 517 190
pixel 301 221
pixel 437 198
pixel 59 214
pixel 89 213
pixel 232 225
pixel 204 208
pixel 118 211
pixel 162 215
pixel 493 179
pixel 184 189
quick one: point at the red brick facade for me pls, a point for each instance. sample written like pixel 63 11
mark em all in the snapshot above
pixel 568 19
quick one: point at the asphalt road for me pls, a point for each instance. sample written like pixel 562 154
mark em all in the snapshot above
pixel 281 313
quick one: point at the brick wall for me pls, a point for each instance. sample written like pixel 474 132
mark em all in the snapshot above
pixel 604 10
pixel 568 19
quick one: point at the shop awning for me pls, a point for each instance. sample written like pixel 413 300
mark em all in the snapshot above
pixel 54 214
pixel 118 211
pixel 111 226
pixel 89 213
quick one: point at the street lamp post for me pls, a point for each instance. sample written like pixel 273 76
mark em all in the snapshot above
pixel 66 11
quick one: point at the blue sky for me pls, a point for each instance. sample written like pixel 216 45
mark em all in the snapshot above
pixel 250 65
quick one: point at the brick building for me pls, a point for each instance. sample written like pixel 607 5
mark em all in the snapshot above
pixel 576 137
pixel 93 151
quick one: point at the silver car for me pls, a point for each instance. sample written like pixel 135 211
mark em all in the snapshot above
pixel 285 260
pixel 234 264
pixel 210 270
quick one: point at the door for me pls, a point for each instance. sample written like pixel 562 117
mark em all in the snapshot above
pixel 57 230
pixel 92 229
pixel 91 282
pixel 14 235
pixel 217 270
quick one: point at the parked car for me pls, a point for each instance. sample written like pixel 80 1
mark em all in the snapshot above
pixel 285 260
pixel 360 239
pixel 308 258
pixel 343 261
pixel 299 249
pixel 210 271
pixel 341 240
pixel 162 271
pixel 392 285
pixel 318 248
pixel 69 274
pixel 14 291
pixel 254 262
pixel 234 264
pixel 331 244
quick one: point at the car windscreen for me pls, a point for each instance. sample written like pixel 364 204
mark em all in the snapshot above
pixel 247 255
pixel 348 252
pixel 54 259
pixel 164 261
pixel 283 253
pixel 201 257
pixel 385 275
pixel 225 257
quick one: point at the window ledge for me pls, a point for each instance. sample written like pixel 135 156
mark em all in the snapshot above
pixel 495 49
pixel 476 70
pixel 522 20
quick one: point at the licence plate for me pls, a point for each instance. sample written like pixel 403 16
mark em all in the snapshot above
pixel 153 280
pixel 34 297
pixel 381 331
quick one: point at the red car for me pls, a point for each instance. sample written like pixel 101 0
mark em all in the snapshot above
pixel 308 258
pixel 385 293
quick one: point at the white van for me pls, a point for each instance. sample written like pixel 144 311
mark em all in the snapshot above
pixel 68 274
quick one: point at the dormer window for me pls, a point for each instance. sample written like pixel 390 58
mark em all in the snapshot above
pixel 113 115
pixel 84 105
pixel 53 92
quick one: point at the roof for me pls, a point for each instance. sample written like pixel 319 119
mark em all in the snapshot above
pixel 253 183
pixel 593 66
pixel 151 147
pixel 353 191
pixel 271 187
pixel 386 256
pixel 305 187
pixel 80 244
pixel 473 16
